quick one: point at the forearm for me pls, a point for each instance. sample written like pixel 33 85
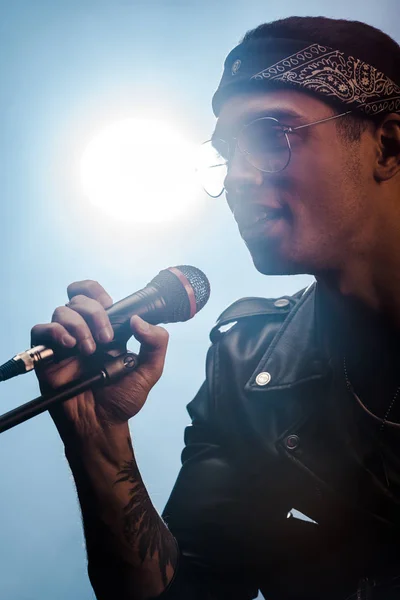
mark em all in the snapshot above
pixel 130 551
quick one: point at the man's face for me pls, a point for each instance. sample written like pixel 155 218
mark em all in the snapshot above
pixel 314 214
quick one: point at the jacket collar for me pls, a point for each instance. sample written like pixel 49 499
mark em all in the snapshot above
pixel 296 354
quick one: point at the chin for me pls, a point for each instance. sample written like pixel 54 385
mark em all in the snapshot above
pixel 270 262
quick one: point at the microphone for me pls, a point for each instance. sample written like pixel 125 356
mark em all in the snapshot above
pixel 175 294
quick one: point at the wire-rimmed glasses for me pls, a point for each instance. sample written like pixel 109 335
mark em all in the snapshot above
pixel 264 143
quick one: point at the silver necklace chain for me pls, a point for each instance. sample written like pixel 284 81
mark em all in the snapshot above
pixel 383 421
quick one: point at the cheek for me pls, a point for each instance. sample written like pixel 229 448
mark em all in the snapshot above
pixel 323 200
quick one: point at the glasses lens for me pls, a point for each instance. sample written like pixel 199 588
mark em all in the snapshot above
pixel 211 168
pixel 265 145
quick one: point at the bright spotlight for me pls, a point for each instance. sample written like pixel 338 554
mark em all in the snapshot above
pixel 140 170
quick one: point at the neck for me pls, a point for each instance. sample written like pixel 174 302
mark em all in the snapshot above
pixel 371 286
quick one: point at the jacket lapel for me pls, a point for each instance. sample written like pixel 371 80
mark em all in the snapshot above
pixel 295 355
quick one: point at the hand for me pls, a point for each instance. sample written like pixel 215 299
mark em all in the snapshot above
pixel 84 323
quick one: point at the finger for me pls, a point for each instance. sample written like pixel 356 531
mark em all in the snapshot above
pixel 153 347
pixel 95 316
pixel 76 326
pixel 52 334
pixel 91 289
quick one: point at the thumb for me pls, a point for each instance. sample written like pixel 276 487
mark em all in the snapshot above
pixel 153 347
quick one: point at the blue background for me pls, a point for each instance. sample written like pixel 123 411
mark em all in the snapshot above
pixel 68 68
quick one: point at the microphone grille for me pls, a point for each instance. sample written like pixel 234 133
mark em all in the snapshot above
pixel 185 290
pixel 199 283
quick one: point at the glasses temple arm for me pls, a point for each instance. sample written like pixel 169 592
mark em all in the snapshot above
pixel 290 129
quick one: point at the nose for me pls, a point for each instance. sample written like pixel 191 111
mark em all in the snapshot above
pixel 241 175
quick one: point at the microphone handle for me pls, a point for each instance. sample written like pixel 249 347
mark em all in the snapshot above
pixel 147 303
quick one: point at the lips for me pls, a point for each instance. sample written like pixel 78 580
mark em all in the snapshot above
pixel 248 216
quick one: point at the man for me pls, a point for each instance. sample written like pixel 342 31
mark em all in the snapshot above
pixel 299 414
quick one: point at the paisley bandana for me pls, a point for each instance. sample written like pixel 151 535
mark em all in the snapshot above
pixel 342 80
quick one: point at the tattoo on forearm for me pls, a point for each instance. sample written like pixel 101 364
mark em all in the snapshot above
pixel 142 525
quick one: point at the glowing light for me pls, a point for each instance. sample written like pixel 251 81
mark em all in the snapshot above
pixel 140 170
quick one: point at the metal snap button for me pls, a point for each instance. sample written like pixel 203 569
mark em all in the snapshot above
pixel 281 303
pixel 263 378
pixel 292 442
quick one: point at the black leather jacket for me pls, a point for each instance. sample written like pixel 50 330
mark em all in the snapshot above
pixel 275 430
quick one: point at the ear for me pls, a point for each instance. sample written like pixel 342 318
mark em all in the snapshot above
pixel 388 147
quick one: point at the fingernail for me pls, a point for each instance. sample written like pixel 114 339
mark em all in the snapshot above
pixel 68 341
pixel 88 346
pixel 105 335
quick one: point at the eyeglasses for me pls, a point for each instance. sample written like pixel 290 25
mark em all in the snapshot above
pixel 263 142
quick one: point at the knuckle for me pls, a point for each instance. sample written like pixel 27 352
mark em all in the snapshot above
pixel 81 330
pixel 81 287
pixel 93 285
pixel 96 307
pixel 90 310
pixel 77 299
pixel 162 334
pixel 58 314
pixel 37 332
pixel 94 288
pixel 164 337
pixel 71 289
pixel 35 329
pixel 46 331
pixel 86 306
